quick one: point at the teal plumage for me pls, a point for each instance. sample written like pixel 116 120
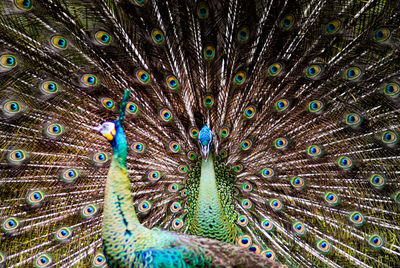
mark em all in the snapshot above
pixel 301 98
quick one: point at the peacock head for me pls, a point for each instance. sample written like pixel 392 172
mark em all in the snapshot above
pixel 205 140
pixel 107 129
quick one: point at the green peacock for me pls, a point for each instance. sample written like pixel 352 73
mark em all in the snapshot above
pixel 249 133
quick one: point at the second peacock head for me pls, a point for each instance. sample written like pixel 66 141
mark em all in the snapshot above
pixel 205 140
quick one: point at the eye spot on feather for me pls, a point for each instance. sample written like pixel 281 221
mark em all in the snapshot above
pixel 88 211
pixel 10 224
pixel 202 10
pixel 158 37
pixel 331 198
pixel 154 176
pixel 298 183
pixel 276 204
pixel 192 155
pixel 140 3
pixel 376 241
pixel 389 137
pixel 175 207
pixel 287 22
pixel 275 69
pixel 299 228
pixel 243 35
pixel 246 144
pixel 333 26
pixel 182 169
pixel 172 82
pixel 132 108
pixel 381 35
pixel 89 80
pixel 49 87
pixel 177 224
pixel 63 234
pixel 247 187
pixel 324 246
pixel 223 154
pixel 239 79
pixel 249 112
pixel 100 158
pixel 237 168
pixel 54 130
pixel 352 73
pixel 43 260
pixel 267 173
pixel 143 77
pixel 345 162
pixel 173 188
pixel 174 147
pixel 281 143
pixel 194 132
pixel 35 197
pixel 184 193
pixel 209 53
pixel 24 5
pixel 208 101
pixel 7 62
pixel 70 175
pixel 391 90
pixel 267 225
pixel 396 197
pixel 377 181
pixel 314 151
pixel 12 108
pixel 357 219
pixel 224 132
pixel 59 42
pixel 17 157
pixel 166 115
pixel 102 38
pixel 315 106
pixel 353 119
pixel 99 260
pixel 282 105
pixel 269 254
pixel 313 71
pixel 244 241
pixel 242 220
pixel 247 204
pixel 144 206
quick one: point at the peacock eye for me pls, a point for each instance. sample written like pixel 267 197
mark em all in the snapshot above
pixel 7 62
pixel 10 224
pixel 356 218
pixel 12 107
pixel 202 10
pixel 375 241
pixel 247 204
pixel 16 156
pixel 192 155
pixel 345 162
pixel 333 27
pixel 267 225
pixel 99 260
pixel 166 115
pixel 209 53
pixel 63 234
pixel 315 106
pixel 238 168
pixel 299 228
pixel 35 197
pixel 49 87
pixel 381 35
pixel 275 204
pixel 352 73
pixel 175 207
pixel 224 132
pixel 389 137
pixel 244 241
pixel 208 101
pixel 275 69
pixel 70 175
pixel 242 220
pixel 239 79
pixel 173 188
pixel 174 147
pixel 281 143
pixel 246 144
pixel 287 22
pixel 243 34
pixel 313 71
pixel 297 182
pixel 377 181
pixel 267 173
pixel 54 130
pixel 223 154
pixel 247 187
pixel 158 37
pixel 182 169
pixel 331 198
pixel 24 5
pixel 172 82
pixel 108 103
pixel 43 260
pixel 59 42
pixel 177 224
pixel 352 119
pixel 144 206
pixel 154 175
pixel 324 246
pixel 89 80
pixel 194 132
pixel 269 254
pixel 88 211
pixel 102 38
pixel 391 90
pixel 281 105
pixel 132 108
pixel 143 77
pixel 138 147
pixel 249 112
pixel 314 151
pixel 100 158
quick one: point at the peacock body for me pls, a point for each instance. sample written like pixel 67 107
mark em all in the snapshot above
pixel 268 125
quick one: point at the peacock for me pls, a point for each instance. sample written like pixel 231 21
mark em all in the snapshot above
pixel 260 132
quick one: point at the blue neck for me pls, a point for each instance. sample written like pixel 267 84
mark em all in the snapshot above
pixel 119 145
